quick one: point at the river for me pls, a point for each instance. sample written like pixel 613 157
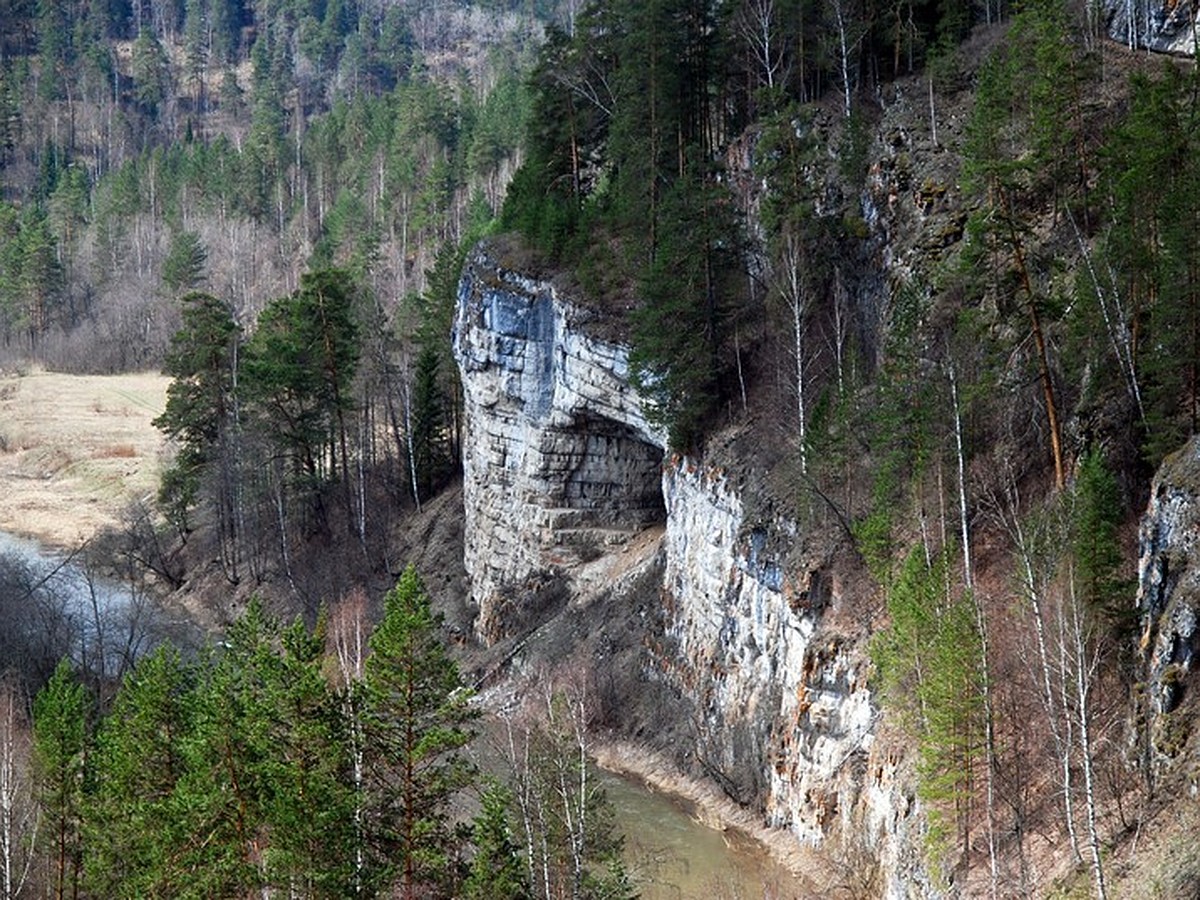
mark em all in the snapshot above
pixel 675 857
pixel 52 604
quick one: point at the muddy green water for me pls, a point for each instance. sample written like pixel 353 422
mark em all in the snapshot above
pixel 675 857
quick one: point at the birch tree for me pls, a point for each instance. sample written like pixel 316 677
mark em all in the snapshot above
pixel 348 633
pixel 848 35
pixel 19 816
pixel 757 23
pixel 564 819
pixel 796 295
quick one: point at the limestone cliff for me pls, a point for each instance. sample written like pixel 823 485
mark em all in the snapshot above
pixel 1169 604
pixel 784 716
pixel 559 460
pixel 562 467
pixel 1167 26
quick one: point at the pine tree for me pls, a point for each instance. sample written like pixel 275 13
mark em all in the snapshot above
pixel 134 822
pixel 60 739
pixel 183 267
pixel 416 720
pixel 200 415
pixel 1024 101
pixel 497 872
pixel 299 369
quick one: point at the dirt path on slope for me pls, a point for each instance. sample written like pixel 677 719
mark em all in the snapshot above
pixel 75 450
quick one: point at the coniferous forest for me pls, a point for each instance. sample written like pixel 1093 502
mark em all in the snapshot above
pixel 937 258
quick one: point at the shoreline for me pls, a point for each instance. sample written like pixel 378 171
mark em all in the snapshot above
pixel 708 806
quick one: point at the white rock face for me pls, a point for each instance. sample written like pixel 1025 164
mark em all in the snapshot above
pixel 1163 25
pixel 746 643
pixel 777 686
pixel 1169 590
pixel 558 458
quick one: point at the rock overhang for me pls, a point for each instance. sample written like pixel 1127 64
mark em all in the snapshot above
pixel 559 456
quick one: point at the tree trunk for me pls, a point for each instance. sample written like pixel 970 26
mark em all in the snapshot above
pixel 1039 339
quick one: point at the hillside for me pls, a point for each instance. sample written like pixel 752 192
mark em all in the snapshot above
pixel 907 455
pixel 798 399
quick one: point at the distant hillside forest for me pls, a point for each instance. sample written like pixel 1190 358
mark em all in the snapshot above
pixel 150 148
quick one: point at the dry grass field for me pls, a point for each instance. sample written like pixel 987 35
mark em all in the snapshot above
pixel 75 450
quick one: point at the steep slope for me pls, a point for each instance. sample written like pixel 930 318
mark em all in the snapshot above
pixel 754 636
pixel 757 651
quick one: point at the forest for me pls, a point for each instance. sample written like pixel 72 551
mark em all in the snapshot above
pixel 272 202
pixel 316 762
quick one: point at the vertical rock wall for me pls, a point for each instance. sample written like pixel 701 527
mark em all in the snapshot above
pixel 1169 601
pixel 785 719
pixel 560 464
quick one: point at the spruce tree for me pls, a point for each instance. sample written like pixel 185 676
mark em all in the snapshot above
pixel 497 872
pixel 309 811
pixel 183 267
pixel 927 663
pixel 683 330
pixel 1096 514
pixel 134 820
pixel 200 416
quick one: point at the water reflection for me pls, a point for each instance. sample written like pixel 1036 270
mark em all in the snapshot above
pixel 55 605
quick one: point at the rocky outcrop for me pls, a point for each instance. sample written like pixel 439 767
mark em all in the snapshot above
pixel 1169 598
pixel 559 461
pixel 784 715
pixel 561 465
pixel 1168 26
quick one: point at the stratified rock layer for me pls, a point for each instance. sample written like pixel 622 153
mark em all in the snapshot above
pixel 561 465
pixel 784 718
pixel 559 461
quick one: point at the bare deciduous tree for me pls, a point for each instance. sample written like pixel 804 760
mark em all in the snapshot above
pixel 757 23
pixel 18 811
pixel 565 823
pixel 790 280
